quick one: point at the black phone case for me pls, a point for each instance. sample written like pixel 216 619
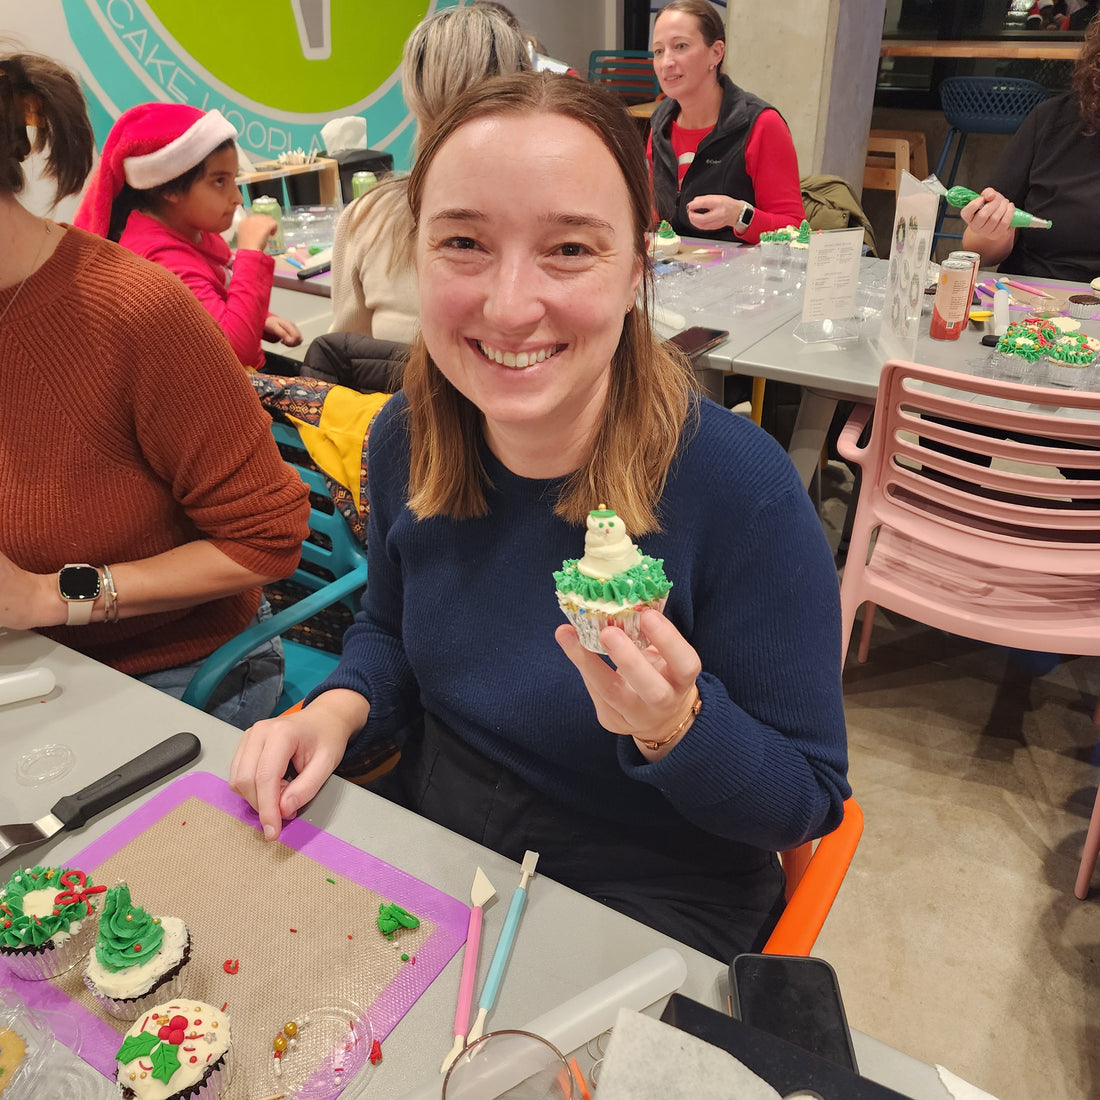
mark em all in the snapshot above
pixel 834 1031
pixel 698 340
pixel 786 1067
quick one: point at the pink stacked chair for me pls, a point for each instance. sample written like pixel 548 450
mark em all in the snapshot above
pixel 1007 554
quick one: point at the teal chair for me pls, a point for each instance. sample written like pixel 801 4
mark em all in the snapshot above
pixel 333 570
pixel 628 73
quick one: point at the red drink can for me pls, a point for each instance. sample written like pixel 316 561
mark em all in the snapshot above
pixel 951 308
pixel 974 258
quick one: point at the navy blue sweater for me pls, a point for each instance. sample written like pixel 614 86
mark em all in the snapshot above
pixel 459 619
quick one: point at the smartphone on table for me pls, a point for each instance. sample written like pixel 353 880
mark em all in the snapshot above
pixel 697 340
pixel 796 998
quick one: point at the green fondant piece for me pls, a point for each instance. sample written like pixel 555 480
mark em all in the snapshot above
pixel 391 917
pixel 136 1046
pixel 166 1061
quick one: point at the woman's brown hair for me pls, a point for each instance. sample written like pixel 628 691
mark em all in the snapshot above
pixel 1086 78
pixel 35 91
pixel 650 393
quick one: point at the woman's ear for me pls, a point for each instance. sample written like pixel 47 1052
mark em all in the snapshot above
pixel 718 53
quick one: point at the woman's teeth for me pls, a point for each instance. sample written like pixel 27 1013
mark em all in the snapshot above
pixel 514 358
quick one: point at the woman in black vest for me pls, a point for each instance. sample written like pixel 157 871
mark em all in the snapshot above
pixel 722 160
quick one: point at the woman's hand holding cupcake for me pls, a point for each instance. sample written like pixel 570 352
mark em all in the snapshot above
pixel 650 694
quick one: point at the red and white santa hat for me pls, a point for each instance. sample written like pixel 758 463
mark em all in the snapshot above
pixel 149 145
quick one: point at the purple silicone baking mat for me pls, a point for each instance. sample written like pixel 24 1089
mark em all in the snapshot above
pixel 184 852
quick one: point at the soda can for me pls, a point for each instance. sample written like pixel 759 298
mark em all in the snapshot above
pixel 265 204
pixel 362 182
pixel 951 308
pixel 975 259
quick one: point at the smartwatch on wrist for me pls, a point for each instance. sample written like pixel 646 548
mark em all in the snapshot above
pixel 79 587
pixel 745 218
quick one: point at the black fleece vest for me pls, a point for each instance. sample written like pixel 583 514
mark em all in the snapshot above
pixel 719 165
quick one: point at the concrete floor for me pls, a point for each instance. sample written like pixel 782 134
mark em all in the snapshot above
pixel 956 935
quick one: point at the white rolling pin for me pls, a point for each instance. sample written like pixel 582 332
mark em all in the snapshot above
pixel 588 1014
pixel 31 682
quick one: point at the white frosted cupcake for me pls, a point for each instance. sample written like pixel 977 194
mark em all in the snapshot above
pixel 138 959
pixel 187 1044
pixel 665 243
pixel 47 921
pixel 611 585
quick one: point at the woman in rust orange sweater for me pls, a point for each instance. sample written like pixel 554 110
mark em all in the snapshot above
pixel 143 502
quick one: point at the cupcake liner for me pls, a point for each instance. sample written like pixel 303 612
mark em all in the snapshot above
pixel 589 623
pixel 1082 310
pixel 130 1008
pixel 56 956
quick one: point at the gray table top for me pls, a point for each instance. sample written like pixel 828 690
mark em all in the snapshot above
pixel 566 943
pixel 851 370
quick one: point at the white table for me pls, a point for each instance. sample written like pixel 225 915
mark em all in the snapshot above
pixel 830 373
pixel 566 942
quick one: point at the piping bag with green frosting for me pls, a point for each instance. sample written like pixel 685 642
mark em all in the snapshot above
pixel 960 196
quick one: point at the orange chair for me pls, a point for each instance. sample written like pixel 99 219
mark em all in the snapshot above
pixel 378 759
pixel 814 874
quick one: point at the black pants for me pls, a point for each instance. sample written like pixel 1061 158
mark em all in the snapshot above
pixel 715 895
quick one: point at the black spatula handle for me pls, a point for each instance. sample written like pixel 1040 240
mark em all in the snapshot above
pixel 155 763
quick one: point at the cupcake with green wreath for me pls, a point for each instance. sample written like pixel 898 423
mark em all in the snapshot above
pixel 612 584
pixel 138 959
pixel 47 921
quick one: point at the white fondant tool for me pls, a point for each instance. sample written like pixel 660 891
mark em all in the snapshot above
pixel 504 947
pixel 481 893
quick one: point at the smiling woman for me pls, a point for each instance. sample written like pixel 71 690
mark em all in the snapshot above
pixel 661 782
pixel 722 160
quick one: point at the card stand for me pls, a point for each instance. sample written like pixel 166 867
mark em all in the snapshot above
pixel 829 330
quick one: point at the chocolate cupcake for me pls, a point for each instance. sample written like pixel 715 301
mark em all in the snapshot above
pixel 187 1044
pixel 138 959
pixel 1083 305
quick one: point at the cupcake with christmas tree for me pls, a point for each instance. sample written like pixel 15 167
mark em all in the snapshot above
pixel 180 1050
pixel 47 920
pixel 612 584
pixel 665 243
pixel 138 959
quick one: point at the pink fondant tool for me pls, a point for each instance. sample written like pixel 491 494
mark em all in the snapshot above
pixel 481 893
pixel 504 947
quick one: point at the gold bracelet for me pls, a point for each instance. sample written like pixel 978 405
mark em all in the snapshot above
pixel 691 716
pixel 110 595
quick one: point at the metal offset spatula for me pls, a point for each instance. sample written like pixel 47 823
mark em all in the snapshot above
pixel 74 810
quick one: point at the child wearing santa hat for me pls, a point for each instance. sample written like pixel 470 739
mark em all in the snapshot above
pixel 165 188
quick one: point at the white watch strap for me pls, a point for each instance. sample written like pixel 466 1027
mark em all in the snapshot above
pixel 80 612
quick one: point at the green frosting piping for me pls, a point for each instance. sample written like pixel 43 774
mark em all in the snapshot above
pixel 17 929
pixel 666 231
pixel 128 934
pixel 641 583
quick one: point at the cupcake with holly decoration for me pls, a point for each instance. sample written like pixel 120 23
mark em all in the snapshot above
pixel 179 1050
pixel 138 959
pixel 612 584
pixel 47 921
